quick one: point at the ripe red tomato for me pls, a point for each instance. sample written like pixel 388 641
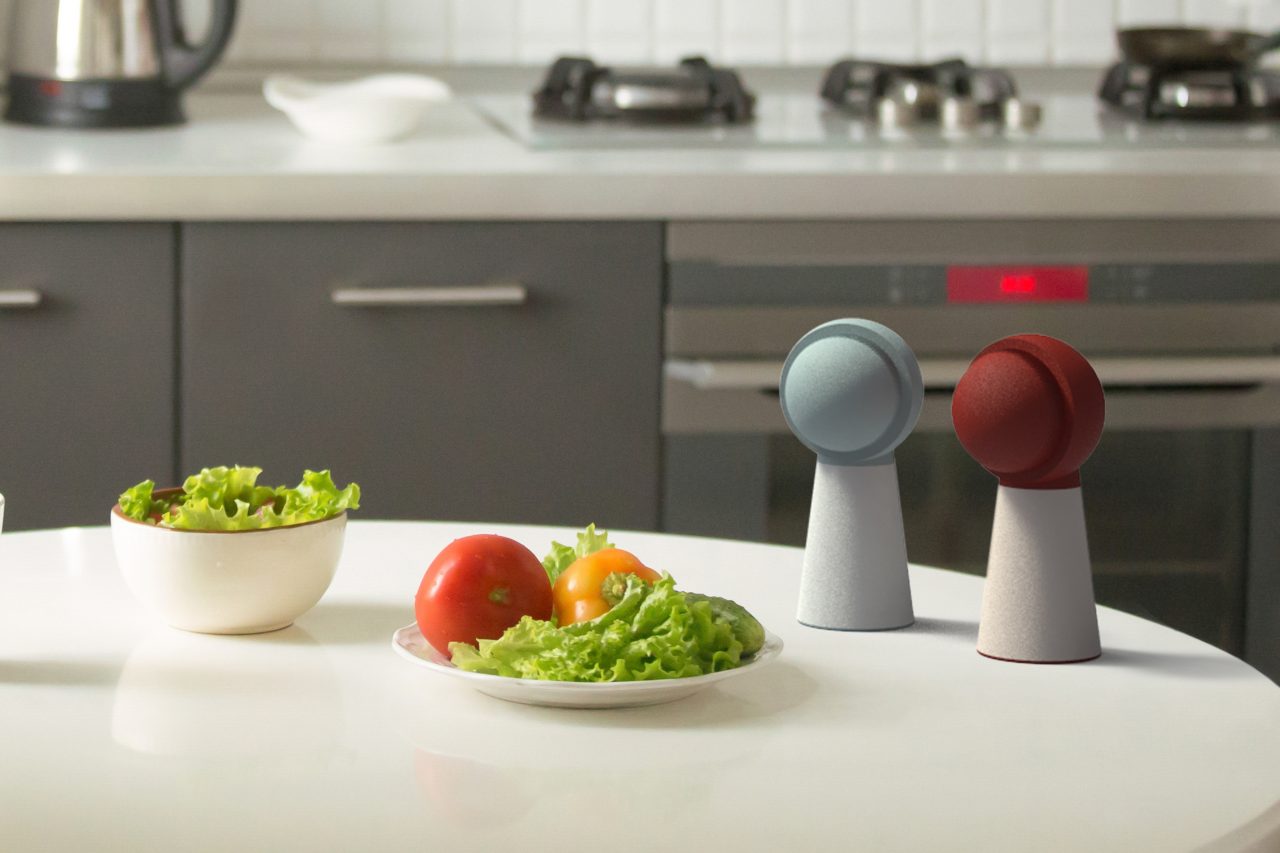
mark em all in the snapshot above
pixel 478 587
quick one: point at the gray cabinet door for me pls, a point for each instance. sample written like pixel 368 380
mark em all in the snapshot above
pixel 541 412
pixel 87 376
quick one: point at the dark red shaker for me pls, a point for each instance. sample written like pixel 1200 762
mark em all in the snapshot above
pixel 1030 410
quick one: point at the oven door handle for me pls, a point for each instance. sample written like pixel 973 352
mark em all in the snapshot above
pixel 943 374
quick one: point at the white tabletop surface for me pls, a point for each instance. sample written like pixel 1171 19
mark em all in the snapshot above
pixel 118 733
pixel 239 159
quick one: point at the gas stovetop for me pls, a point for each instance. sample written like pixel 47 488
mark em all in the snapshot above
pixel 867 104
pixel 797 121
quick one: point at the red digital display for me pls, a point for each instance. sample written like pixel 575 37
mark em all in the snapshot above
pixel 1017 284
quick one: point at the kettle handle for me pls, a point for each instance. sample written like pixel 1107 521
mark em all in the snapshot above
pixel 184 62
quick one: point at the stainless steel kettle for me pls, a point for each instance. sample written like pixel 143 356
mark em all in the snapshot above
pixel 106 63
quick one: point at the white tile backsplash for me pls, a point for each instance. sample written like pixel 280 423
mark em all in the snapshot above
pixel 804 32
pixel 887 30
pixel 348 31
pixel 1083 17
pixel 951 28
pixel 1216 13
pixel 1083 31
pixel 416 30
pixel 482 31
pixel 685 27
pixel 1019 17
pixel 550 28
pixel 1018 32
pixel 952 15
pixel 281 30
pixel 880 16
pixel 623 32
pixel 754 31
pixel 1265 16
pixel 1139 12
pixel 818 30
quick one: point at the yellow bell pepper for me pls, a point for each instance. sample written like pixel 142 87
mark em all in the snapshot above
pixel 577 595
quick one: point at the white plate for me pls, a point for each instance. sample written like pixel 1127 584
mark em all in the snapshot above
pixel 409 644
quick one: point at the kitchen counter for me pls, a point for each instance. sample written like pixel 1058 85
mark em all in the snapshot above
pixel 240 160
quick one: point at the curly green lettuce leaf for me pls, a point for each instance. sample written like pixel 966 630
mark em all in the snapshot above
pixel 653 631
pixel 316 497
pixel 203 514
pixel 226 487
pixel 561 556
pixel 136 503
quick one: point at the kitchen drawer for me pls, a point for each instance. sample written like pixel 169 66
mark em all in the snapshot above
pixel 545 411
pixel 87 375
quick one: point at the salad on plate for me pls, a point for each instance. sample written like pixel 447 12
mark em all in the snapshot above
pixel 587 613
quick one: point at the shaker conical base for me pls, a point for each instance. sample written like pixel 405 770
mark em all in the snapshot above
pixel 855 558
pixel 1037 603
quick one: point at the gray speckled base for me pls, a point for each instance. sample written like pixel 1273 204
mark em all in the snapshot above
pixel 855 558
pixel 1037 604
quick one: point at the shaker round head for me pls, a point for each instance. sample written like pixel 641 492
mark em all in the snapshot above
pixel 1029 409
pixel 851 391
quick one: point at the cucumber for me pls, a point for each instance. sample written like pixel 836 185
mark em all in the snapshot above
pixel 746 628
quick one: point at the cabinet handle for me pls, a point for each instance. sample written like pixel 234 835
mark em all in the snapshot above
pixel 20 298
pixel 431 297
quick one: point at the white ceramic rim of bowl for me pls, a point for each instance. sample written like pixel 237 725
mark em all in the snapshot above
pixel 768 652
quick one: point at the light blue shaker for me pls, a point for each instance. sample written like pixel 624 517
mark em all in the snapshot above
pixel 851 391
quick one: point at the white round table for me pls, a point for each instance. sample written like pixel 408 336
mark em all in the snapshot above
pixel 118 733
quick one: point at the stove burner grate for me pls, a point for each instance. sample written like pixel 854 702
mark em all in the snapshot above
pixel 577 89
pixel 856 86
pixel 1214 92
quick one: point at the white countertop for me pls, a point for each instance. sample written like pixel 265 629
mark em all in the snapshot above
pixel 122 734
pixel 238 159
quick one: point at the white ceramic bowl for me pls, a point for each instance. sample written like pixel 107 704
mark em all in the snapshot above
pixel 381 108
pixel 216 582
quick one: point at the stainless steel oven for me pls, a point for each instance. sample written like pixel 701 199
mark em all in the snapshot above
pixel 1181 319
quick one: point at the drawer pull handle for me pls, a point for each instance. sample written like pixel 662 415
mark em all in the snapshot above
pixel 20 298
pixel 431 297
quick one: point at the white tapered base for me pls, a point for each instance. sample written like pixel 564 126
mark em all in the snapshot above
pixel 1037 604
pixel 855 557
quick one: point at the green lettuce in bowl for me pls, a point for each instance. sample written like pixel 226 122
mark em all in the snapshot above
pixel 230 499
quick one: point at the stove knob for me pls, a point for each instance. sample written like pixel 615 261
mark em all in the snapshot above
pixel 893 114
pixel 1020 115
pixel 960 114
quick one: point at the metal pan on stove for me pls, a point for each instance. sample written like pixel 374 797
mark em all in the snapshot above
pixel 1193 47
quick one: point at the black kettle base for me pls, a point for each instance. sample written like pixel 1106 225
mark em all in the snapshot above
pixel 92 103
